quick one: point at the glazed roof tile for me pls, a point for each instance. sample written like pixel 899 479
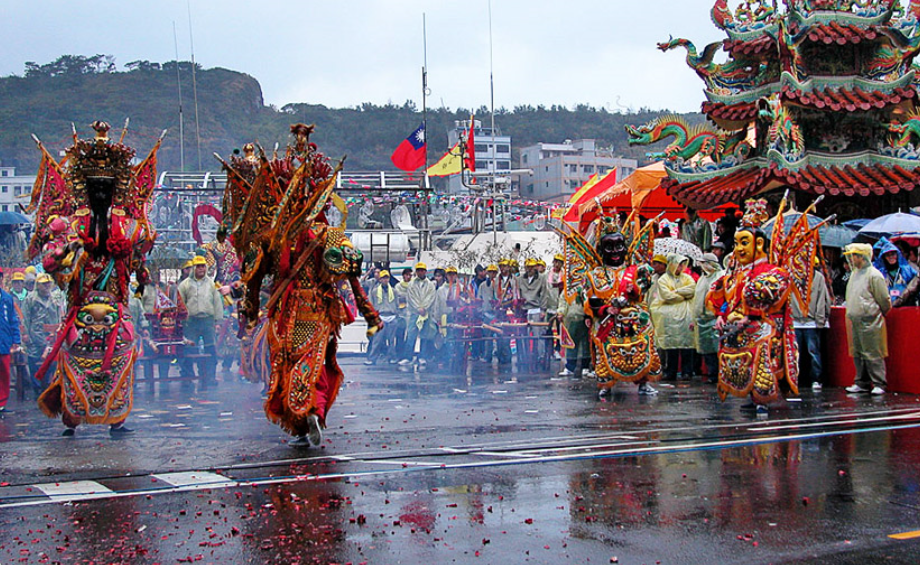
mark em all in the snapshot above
pixel 849 180
pixel 850 100
pixel 737 47
pixel 839 33
pixel 742 112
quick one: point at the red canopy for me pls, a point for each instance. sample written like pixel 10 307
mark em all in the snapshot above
pixel 642 190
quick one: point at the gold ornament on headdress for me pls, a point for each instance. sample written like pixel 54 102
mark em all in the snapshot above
pixel 755 213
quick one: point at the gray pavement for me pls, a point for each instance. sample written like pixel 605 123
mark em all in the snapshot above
pixel 489 467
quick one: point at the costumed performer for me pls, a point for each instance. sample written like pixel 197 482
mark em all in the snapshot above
pixel 92 232
pixel 758 355
pixel 613 280
pixel 279 229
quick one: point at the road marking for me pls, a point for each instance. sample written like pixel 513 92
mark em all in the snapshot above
pixel 205 480
pixel 194 478
pixel 783 426
pixel 74 490
pixel 906 535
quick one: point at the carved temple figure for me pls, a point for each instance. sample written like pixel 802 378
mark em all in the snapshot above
pixel 908 131
pixel 758 356
pixel 784 134
pixel 279 229
pixel 732 75
pixel 689 141
pixel 612 279
pixel 92 233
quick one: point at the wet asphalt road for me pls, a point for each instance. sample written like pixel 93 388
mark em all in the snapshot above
pixel 489 467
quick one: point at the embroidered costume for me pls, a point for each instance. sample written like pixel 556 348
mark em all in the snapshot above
pixel 758 355
pixel 612 280
pixel 92 233
pixel 279 229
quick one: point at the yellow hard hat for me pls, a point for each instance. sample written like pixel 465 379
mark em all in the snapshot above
pixel 187 265
pixel 530 262
pixel 19 276
pixel 383 273
pixel 493 267
pixel 31 269
pixel 559 257
pixel 421 265
pixel 199 260
pixel 541 263
pixel 450 269
pixel 659 258
pixel 42 278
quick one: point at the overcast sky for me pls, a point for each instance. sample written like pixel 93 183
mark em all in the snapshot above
pixel 344 52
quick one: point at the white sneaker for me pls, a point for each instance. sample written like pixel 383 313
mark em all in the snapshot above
pixel 566 373
pixel 422 362
pixel 589 374
pixel 856 389
pixel 368 362
pixel 405 362
pixel 646 389
pixel 816 386
pixel 314 431
pixel 878 391
pixel 556 356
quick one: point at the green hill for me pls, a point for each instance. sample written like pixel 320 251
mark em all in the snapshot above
pixel 76 89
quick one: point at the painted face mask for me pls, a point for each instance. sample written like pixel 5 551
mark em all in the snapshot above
pixel 613 249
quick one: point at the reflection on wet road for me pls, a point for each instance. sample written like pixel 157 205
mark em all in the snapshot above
pixel 422 468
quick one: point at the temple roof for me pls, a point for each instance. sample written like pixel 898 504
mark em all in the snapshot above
pixel 860 179
pixel 749 48
pixel 849 99
pixel 836 32
pixel 721 112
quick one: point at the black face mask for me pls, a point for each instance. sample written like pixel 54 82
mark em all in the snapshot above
pixel 613 250
pixel 99 193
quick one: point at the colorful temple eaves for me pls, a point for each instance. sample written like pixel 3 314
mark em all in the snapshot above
pixel 817 95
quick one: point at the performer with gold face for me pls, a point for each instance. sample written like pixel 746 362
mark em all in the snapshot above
pixel 758 356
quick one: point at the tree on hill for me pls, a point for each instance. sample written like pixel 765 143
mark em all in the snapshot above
pixel 79 89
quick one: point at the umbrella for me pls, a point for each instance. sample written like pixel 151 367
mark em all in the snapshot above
pixel 8 218
pixel 831 235
pixel 857 224
pixel 892 224
pixel 665 245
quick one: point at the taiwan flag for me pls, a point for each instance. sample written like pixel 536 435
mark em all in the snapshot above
pixel 410 155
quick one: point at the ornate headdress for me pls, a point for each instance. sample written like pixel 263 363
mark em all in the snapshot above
pixel 755 213
pixel 60 188
pixel 608 225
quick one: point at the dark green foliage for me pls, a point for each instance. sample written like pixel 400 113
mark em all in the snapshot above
pixel 231 112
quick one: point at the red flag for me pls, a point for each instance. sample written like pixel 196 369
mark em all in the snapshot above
pixel 410 155
pixel 470 159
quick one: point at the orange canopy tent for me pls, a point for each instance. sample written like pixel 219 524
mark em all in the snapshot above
pixel 641 191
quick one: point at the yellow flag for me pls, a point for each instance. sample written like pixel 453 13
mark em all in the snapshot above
pixel 449 163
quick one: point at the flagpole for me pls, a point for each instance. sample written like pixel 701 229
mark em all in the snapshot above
pixel 424 180
pixel 492 132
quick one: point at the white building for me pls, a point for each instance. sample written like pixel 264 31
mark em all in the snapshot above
pixel 560 168
pixel 14 189
pixel 493 150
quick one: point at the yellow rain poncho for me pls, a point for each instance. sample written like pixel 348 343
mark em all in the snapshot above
pixel 867 303
pixel 673 305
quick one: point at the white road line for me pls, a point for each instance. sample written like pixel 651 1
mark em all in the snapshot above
pixel 912 415
pixel 420 466
pixel 74 490
pixel 193 478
